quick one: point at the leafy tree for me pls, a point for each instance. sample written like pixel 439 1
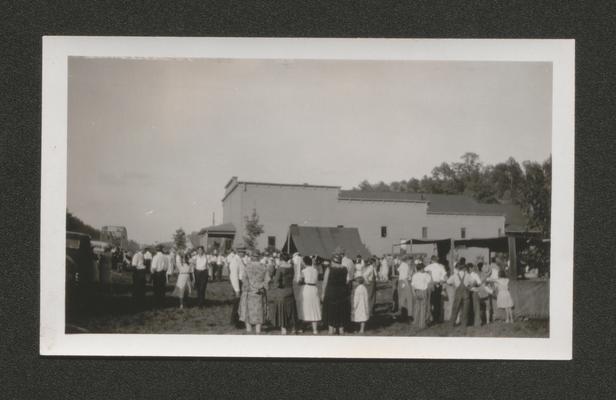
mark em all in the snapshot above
pixel 179 238
pixel 75 224
pixel 253 230
pixel 536 195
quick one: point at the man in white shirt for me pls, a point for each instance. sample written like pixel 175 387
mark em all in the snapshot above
pixel 439 275
pixel 147 260
pixel 171 269
pixel 236 274
pixel 403 294
pixel 201 275
pixel 475 284
pixel 138 277
pixel 160 265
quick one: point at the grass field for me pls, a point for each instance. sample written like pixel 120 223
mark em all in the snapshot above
pixel 115 312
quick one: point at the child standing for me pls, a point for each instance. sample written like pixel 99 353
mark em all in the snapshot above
pixel 361 306
pixel 186 276
pixel 503 298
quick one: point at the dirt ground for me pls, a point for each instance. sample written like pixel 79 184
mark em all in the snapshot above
pixel 115 312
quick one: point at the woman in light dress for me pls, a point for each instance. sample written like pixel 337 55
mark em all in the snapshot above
pixel 311 304
pixel 186 277
pixel 369 275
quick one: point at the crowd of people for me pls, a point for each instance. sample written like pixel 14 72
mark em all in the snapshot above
pixel 295 292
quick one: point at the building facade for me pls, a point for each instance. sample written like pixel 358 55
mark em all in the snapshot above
pixel 383 219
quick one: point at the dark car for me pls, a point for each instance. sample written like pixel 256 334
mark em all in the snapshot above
pixel 80 268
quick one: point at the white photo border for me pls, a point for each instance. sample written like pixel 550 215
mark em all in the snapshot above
pixel 55 342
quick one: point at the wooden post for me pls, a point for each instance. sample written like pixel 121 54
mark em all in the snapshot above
pixel 513 258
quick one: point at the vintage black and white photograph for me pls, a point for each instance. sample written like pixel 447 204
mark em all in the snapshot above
pixel 307 198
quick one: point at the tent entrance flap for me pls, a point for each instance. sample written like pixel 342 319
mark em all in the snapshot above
pixel 323 241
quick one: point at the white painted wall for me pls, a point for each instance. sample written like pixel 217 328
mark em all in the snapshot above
pixel 402 219
pixel 280 206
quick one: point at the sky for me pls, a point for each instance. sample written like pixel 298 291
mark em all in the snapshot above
pixel 152 142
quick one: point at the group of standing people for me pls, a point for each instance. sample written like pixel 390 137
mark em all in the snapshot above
pixel 469 291
pixel 282 290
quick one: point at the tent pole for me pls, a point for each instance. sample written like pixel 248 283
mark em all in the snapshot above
pixel 289 241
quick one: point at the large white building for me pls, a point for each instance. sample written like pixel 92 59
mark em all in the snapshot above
pixel 382 218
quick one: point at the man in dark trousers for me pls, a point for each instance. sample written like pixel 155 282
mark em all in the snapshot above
pixel 461 281
pixel 138 278
pixel 201 275
pixel 160 265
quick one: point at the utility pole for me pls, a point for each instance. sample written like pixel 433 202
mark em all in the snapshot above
pixel 213 218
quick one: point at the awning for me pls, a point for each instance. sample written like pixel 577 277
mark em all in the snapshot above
pixel 322 241
pixel 219 231
pixel 498 244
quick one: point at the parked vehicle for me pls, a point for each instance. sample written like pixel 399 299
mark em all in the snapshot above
pixel 80 267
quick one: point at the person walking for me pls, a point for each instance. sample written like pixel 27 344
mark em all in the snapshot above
pixel 201 275
pixel 311 304
pixel 282 307
pixel 253 301
pixel 336 304
pixel 138 267
pixel 160 265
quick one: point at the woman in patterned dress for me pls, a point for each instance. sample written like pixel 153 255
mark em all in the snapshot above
pixel 253 302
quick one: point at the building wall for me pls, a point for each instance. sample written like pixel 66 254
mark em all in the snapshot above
pixel 280 206
pixel 402 220
pixel 442 226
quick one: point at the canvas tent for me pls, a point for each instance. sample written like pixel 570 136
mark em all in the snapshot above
pixel 322 241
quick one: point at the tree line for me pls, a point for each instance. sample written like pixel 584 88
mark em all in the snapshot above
pixel 527 184
pixel 75 224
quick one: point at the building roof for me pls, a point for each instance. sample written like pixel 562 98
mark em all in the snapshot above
pixel 437 203
pixel 515 220
pixel 222 228
pixel 302 185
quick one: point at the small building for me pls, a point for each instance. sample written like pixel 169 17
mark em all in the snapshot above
pixel 381 218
